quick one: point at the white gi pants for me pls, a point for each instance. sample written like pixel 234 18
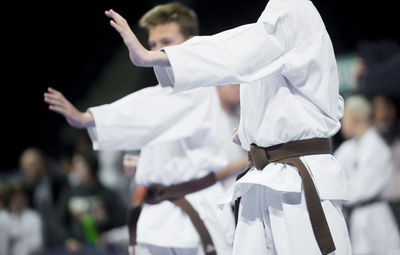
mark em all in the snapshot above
pixel 272 222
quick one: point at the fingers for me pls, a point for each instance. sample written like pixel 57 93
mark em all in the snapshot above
pixel 54 102
pixel 53 94
pixel 53 91
pixel 118 19
pixel 57 109
pixel 115 16
pixel 57 102
pixel 116 26
pixel 55 99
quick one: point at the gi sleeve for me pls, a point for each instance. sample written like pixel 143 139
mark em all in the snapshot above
pixel 146 117
pixel 241 55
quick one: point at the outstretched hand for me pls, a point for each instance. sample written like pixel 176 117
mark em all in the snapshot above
pixel 58 103
pixel 139 55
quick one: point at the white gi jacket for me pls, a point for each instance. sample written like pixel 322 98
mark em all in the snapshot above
pixel 368 165
pixel 180 139
pixel 289 88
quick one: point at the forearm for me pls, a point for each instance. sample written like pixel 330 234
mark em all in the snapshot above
pixel 140 56
pixel 154 58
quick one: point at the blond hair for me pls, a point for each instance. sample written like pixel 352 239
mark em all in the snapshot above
pixel 185 17
pixel 360 106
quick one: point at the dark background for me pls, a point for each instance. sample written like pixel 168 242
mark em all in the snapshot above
pixel 68 46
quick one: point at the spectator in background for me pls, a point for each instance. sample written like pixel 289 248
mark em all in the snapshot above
pixel 120 236
pixel 385 118
pixel 44 185
pixel 366 160
pixel 387 123
pixel 88 209
pixel 111 174
pixel 25 232
pixel 4 221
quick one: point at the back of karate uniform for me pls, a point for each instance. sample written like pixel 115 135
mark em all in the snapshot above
pixel 180 140
pixel 286 66
pixel 368 166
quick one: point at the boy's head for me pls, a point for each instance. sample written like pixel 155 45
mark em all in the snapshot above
pixel 169 24
pixel 172 24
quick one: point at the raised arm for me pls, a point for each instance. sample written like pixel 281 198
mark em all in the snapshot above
pixel 139 55
pixel 58 103
pixel 241 55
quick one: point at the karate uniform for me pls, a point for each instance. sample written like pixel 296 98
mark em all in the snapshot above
pixel 289 91
pixel 368 166
pixel 180 139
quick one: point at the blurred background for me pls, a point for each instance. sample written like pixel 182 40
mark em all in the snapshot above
pixel 73 49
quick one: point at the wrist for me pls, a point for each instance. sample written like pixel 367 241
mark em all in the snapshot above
pixel 88 120
pixel 139 55
pixel 157 58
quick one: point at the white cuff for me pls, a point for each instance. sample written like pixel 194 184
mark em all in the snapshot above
pixel 92 131
pixel 165 76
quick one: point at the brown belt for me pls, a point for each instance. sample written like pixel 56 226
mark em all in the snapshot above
pixel 176 194
pixel 290 153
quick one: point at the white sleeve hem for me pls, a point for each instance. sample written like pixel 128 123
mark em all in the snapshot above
pixel 93 136
pixel 165 76
pixel 92 131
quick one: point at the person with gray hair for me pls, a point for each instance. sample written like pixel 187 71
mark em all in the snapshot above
pixel 366 160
